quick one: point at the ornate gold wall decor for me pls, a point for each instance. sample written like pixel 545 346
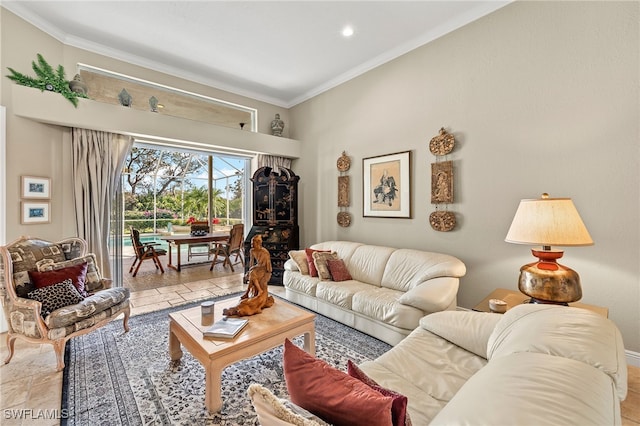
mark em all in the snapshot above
pixel 442 144
pixel 442 220
pixel 442 182
pixel 344 219
pixel 343 164
pixel 343 191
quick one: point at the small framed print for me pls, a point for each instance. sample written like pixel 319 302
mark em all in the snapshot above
pixel 387 185
pixel 36 187
pixel 35 212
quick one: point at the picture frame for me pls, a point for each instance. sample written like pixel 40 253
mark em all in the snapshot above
pixel 386 188
pixel 36 187
pixel 35 212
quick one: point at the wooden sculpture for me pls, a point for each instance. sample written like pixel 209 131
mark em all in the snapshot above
pixel 256 298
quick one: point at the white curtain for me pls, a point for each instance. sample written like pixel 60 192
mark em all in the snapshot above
pixel 98 158
pixel 273 161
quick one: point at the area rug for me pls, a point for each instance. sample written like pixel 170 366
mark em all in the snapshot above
pixel 116 378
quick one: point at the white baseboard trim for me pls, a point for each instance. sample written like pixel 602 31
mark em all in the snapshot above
pixel 633 358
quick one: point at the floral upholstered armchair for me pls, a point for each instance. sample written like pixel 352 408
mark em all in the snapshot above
pixel 52 292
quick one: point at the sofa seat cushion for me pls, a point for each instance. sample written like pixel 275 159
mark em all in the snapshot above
pixel 88 307
pixel 340 293
pixel 382 304
pixel 60 332
pixel 302 283
pixel 534 388
pixel 442 366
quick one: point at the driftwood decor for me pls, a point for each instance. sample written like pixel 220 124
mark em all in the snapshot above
pixel 257 297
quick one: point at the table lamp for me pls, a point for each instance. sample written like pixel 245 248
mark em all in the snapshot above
pixel 548 222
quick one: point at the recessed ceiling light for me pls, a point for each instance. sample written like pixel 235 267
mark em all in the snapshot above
pixel 347 31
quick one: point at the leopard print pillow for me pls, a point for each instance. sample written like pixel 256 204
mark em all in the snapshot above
pixel 56 296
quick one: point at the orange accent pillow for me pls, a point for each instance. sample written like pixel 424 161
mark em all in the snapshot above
pixel 313 271
pixel 338 270
pixel 399 404
pixel 77 274
pixel 330 394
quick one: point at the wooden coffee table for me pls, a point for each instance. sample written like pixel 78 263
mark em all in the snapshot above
pixel 264 331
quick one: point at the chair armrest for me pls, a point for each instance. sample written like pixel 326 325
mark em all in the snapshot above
pixel 30 310
pixel 434 295
pixel 106 283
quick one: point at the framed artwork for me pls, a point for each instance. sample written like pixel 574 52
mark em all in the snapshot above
pixel 387 185
pixel 36 187
pixel 35 212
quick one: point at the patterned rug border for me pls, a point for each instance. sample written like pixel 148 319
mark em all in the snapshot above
pixel 360 346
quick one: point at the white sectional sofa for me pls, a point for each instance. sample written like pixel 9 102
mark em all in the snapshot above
pixel 391 289
pixel 536 364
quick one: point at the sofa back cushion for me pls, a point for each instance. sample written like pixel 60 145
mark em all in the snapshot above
pixel 407 268
pixel 344 249
pixel 533 389
pixel 562 331
pixel 468 329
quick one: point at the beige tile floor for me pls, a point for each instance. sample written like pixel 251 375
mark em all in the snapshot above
pixel 31 389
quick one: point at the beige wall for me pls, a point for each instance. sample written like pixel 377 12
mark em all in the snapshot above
pixel 541 97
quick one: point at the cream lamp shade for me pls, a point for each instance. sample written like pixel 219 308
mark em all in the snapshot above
pixel 549 222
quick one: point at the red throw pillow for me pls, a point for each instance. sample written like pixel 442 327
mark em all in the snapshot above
pixel 399 404
pixel 330 394
pixel 77 274
pixel 338 270
pixel 313 271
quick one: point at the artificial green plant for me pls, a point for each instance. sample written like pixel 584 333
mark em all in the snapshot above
pixel 47 79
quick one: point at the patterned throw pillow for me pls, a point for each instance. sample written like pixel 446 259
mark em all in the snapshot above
pixel 320 259
pixel 399 412
pixel 329 393
pixel 56 296
pixel 312 266
pixel 338 270
pixel 76 273
pixel 300 258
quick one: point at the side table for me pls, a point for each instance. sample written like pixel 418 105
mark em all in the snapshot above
pixel 514 298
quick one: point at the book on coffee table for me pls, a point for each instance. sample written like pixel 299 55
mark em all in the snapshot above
pixel 226 328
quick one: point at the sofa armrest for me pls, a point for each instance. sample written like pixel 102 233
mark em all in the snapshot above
pixel 290 265
pixel 434 295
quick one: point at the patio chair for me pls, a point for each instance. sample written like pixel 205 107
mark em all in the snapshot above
pixel 54 291
pixel 230 247
pixel 202 227
pixel 144 251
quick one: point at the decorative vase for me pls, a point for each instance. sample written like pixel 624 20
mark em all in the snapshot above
pixel 125 98
pixel 77 85
pixel 153 103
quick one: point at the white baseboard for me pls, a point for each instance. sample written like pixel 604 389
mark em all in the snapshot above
pixel 633 358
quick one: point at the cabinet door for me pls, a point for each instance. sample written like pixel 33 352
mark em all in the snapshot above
pixel 282 201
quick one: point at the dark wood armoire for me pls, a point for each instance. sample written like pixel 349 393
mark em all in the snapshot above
pixel 275 217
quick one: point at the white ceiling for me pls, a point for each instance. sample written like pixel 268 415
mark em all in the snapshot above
pixel 278 52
